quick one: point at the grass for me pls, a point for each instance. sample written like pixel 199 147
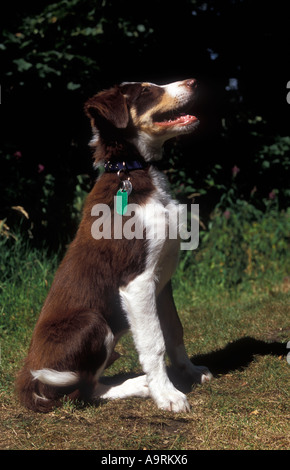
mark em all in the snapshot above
pixel 241 335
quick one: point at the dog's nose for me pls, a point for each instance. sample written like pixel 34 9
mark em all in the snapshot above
pixel 191 83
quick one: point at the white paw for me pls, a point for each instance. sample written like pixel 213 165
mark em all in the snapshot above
pixel 172 400
pixel 206 376
pixel 140 386
pixel 199 374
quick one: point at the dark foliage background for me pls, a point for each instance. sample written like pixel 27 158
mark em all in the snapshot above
pixel 55 55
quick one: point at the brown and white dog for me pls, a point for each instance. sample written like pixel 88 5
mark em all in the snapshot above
pixel 105 286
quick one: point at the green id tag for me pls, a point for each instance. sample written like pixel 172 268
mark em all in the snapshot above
pixel 121 202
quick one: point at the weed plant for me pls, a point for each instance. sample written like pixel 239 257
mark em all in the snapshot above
pixel 25 276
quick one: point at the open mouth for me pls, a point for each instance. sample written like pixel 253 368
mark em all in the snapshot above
pixel 170 119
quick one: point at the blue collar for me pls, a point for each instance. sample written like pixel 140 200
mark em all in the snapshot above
pixel 114 167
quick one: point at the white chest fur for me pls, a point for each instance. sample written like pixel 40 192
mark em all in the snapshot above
pixel 160 220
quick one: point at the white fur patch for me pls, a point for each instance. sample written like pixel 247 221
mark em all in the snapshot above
pixel 95 139
pixel 178 91
pixel 38 397
pixel 137 387
pixel 109 343
pixel 55 378
pixel 150 147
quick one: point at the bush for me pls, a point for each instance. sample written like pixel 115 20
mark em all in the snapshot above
pixel 35 204
pixel 242 243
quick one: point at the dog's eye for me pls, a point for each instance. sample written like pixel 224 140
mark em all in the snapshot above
pixel 145 89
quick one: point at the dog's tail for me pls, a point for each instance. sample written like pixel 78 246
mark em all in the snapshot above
pixel 42 390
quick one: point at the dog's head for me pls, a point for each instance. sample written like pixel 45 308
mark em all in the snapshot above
pixel 144 114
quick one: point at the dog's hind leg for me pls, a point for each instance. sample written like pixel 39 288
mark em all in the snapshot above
pixel 71 363
pixel 136 387
pixel 173 336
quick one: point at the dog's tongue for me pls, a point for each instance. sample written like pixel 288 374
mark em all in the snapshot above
pixel 182 120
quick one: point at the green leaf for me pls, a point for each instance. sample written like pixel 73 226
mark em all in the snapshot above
pixel 141 28
pixel 73 86
pixel 22 65
pixel 266 164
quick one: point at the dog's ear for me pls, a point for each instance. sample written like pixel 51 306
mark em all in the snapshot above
pixel 109 105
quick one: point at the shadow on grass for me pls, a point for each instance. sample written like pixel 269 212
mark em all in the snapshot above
pixel 234 356
pixel 238 354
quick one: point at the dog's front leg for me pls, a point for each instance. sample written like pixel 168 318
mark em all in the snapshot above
pixel 139 302
pixel 173 335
